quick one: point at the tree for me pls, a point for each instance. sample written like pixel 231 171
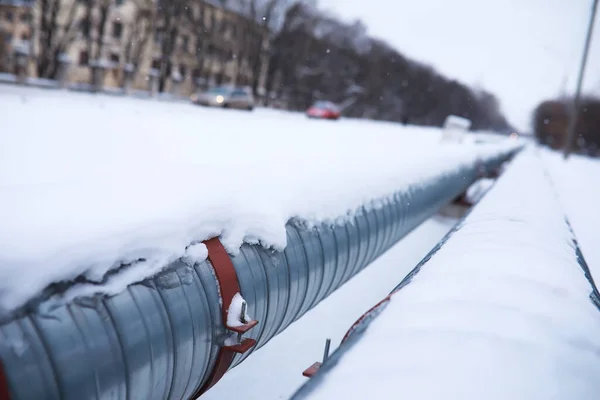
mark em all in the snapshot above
pixel 269 15
pixel 171 14
pixel 95 23
pixel 316 56
pixel 102 8
pixel 141 30
pixel 4 49
pixel 196 19
pixel 588 125
pixel 550 121
pixel 57 29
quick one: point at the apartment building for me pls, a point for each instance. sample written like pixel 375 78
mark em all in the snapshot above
pixel 137 43
pixel 16 19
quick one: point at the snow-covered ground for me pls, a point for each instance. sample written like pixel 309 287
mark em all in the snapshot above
pixel 90 182
pixel 501 311
pixel 577 181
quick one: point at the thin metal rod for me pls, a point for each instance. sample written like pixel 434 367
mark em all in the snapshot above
pixel 577 98
pixel 242 320
pixel 326 352
pixel 243 313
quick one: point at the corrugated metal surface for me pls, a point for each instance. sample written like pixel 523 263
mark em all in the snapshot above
pixel 159 339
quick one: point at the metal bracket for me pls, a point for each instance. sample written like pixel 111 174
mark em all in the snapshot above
pixel 313 369
pixel 243 344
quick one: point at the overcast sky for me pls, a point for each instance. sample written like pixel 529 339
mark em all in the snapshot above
pixel 518 49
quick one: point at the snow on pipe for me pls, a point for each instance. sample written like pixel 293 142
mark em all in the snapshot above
pixel 504 307
pixel 164 338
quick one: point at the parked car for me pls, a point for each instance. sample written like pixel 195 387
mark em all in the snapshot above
pixel 225 97
pixel 324 110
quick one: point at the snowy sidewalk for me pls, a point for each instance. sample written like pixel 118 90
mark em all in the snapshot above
pixel 577 182
pixel 501 311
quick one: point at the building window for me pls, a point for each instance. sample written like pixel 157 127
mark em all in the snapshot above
pixel 9 16
pixel 85 28
pixel 114 58
pixel 157 36
pixel 182 71
pixel 185 43
pixel 26 17
pixel 120 2
pixel 25 36
pixel 156 64
pixel 84 57
pixel 117 30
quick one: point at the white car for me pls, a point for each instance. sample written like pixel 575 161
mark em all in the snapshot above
pixel 225 97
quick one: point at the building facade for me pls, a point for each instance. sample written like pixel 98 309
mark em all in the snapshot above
pixel 177 47
pixel 16 27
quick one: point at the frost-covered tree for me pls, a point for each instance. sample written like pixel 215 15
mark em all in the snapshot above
pixel 315 56
pixel 551 120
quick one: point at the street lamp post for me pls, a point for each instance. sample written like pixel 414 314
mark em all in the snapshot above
pixel 577 97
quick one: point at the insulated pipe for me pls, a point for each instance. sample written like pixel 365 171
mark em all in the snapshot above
pixel 514 277
pixel 164 338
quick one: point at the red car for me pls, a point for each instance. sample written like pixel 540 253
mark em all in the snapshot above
pixel 323 110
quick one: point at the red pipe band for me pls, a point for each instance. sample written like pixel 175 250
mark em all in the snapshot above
pixel 365 315
pixel 228 287
pixel 226 275
pixel 4 393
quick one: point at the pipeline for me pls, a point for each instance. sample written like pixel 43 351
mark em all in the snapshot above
pixel 533 304
pixel 169 337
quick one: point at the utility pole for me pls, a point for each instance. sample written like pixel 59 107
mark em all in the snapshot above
pixel 577 98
